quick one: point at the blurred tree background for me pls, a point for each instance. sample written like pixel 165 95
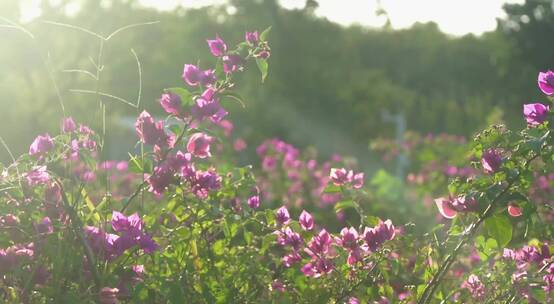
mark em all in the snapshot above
pixel 328 85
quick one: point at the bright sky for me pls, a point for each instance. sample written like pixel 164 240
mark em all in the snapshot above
pixel 456 17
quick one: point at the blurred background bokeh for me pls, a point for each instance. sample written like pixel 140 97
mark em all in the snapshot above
pixel 330 86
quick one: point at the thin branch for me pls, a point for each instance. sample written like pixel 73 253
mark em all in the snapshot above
pixel 128 27
pixel 105 95
pixel 435 281
pixel 80 71
pixel 75 27
pixel 140 77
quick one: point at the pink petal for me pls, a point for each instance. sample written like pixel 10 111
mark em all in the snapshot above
pixel 514 210
pixel 444 209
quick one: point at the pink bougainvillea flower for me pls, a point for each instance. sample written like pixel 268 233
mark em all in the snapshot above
pixel 491 160
pixel 191 74
pixel 194 76
pixel 44 226
pixel 306 221
pixel 353 300
pixel 204 181
pixel 239 144
pixel 68 125
pixel 252 38
pixel 231 63
pixel 254 202
pixel 546 82
pixel 292 258
pixel 171 103
pixel 277 285
pixel 151 132
pixel 514 210
pixel 199 145
pixel 341 176
pixel 319 244
pixel 122 223
pixel 108 295
pixel 535 113
pixel 37 176
pixel 217 46
pixel 282 215
pixel 358 180
pixel 208 106
pixel 348 238
pixel 263 54
pixel 475 287
pixel 449 207
pixel 41 145
pixel 376 236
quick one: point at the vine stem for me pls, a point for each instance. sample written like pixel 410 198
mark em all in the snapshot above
pixel 91 259
pixel 472 229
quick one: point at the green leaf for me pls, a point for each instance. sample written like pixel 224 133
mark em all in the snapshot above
pixel 499 228
pixel 263 35
pixel 263 67
pixel 184 94
pixel 134 164
pixel 346 204
pixel 371 220
pixel 267 241
pixel 332 188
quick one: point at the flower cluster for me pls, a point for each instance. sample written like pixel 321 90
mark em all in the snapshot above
pixel 130 234
pixel 306 178
pixel 321 249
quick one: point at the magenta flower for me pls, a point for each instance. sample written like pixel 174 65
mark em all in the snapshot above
pixel 199 145
pixel 161 178
pixel 514 210
pixel 358 180
pixel 252 38
pixel 150 132
pixel 37 176
pixel 44 226
pixel 122 223
pixel 239 144
pixel 341 176
pixel 231 63
pixel 68 125
pixel 191 74
pixel 164 174
pixel 475 287
pixel 546 82
pixel 376 236
pixel 205 181
pixel 208 106
pixel 41 145
pixel 491 160
pixel 353 300
pixel 348 238
pixel 449 207
pixel 263 54
pixel 291 258
pixel 217 46
pixel 171 103
pixel 306 221
pixel 535 113
pixel 194 76
pixel 277 285
pixel 108 295
pixel 282 216
pixel 320 244
pixel 254 202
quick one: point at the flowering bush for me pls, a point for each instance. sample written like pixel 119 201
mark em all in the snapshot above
pixel 177 224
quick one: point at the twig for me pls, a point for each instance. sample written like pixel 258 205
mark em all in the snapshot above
pixel 435 281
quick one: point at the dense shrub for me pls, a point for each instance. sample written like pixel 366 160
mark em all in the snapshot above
pixel 179 222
